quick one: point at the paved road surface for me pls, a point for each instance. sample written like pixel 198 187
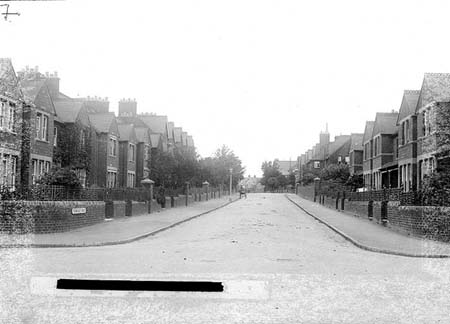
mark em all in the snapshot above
pixel 308 274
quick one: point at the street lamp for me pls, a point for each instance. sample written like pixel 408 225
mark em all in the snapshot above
pixel 231 180
pixel 148 184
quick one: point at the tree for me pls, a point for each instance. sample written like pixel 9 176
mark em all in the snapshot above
pixel 335 172
pixel 272 178
pixel 61 177
pixel 216 169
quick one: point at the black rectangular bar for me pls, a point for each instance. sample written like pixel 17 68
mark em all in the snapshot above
pixel 134 285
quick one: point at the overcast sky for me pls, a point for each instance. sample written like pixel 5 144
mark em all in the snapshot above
pixel 262 77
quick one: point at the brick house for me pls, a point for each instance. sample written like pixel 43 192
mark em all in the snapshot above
pixel 316 156
pixel 177 136
pixel 128 116
pixel 338 150
pixel 286 167
pixel 384 160
pixel 184 139
pixel 76 145
pixel 11 104
pixel 368 155
pixel 157 124
pixel 127 155
pixel 432 118
pixel 155 142
pixel 107 164
pixel 407 140
pixel 356 154
pixel 39 129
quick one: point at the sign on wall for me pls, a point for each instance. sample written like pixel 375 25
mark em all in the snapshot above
pixel 79 210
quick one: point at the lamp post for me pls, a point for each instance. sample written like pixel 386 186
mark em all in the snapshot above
pixel 231 180
pixel 148 184
pixel 316 187
pixel 187 192
pixel 206 186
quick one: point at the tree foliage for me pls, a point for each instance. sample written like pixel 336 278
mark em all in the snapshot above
pixel 272 178
pixel 174 169
pixel 216 169
pixel 336 172
pixel 60 177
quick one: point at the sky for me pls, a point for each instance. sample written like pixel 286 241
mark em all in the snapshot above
pixel 262 77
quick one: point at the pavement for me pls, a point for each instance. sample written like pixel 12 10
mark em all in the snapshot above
pixel 371 236
pixel 277 263
pixel 116 231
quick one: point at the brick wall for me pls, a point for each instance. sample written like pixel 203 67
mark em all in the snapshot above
pixel 51 216
pixel 357 208
pixel 306 192
pixel 427 222
pixel 119 208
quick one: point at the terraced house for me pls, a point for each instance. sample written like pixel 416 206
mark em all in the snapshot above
pixel 433 120
pixel 39 132
pixel 407 140
pixel 11 104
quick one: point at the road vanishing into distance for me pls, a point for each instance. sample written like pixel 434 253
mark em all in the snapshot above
pixel 278 264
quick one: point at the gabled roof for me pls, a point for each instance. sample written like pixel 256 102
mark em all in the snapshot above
pixel 317 154
pixel 177 134
pixel 157 124
pixel 435 87
pixel 9 83
pixel 131 120
pixel 409 104
pixel 31 88
pixel 142 134
pixel 67 110
pixel 385 123
pixel 339 141
pixel 368 131
pixel 102 122
pixel 285 167
pixel 356 142
pixel 126 133
pixel 155 138
pixel 37 92
pixel 184 138
pixel 170 126
pixel 190 141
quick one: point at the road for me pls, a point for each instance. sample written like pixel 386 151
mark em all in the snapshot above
pixel 308 273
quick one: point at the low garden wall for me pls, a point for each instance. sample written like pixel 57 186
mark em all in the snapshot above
pixel 427 222
pixel 49 216
pixel 60 216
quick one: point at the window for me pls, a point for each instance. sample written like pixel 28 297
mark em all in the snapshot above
pixel 407 131
pixel 111 180
pixel 339 159
pixel 7 115
pixel 146 154
pixel 131 152
pixel 38 169
pixel 41 127
pixel 316 164
pixel 131 178
pixel 347 159
pixel 82 138
pixel 8 170
pixel 55 136
pixel 112 146
pixel 427 122
pixel 81 174
pixel 423 123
